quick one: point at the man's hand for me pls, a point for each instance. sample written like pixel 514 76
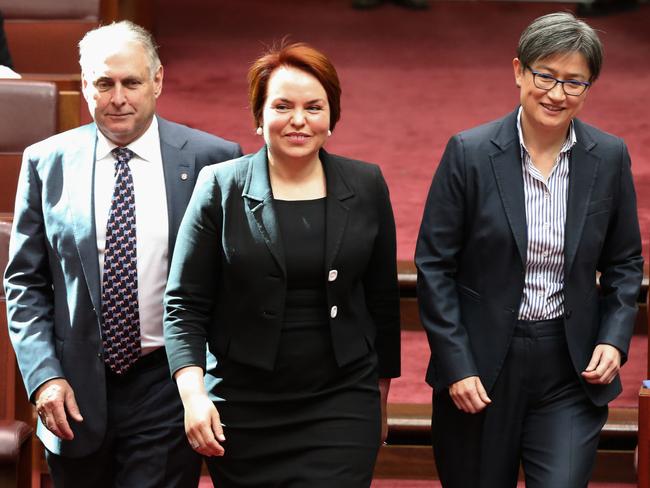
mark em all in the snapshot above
pixel 53 399
pixel 604 365
pixel 469 395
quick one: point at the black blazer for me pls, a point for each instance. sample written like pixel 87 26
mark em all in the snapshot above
pixel 471 253
pixel 227 282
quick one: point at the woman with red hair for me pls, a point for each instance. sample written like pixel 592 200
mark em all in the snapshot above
pixel 285 265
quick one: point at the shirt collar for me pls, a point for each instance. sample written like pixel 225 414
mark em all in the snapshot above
pixel 144 146
pixel 568 144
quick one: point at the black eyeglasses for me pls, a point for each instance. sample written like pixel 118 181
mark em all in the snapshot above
pixel 544 81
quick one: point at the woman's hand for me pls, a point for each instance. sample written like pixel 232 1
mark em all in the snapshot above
pixel 469 395
pixel 203 425
pixel 604 365
pixel 384 386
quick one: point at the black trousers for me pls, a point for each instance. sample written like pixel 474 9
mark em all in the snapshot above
pixel 145 444
pixel 539 417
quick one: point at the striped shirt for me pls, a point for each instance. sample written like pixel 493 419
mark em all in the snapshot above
pixel 546 203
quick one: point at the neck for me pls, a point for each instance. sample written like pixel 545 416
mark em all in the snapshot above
pixel 542 139
pixel 294 169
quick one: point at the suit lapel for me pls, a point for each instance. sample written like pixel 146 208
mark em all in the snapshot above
pixel 336 210
pixel 179 166
pixel 506 163
pixel 259 205
pixel 78 178
pixel 583 168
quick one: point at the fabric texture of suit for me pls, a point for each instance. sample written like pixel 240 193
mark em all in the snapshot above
pixel 240 288
pixel 53 280
pixel 471 253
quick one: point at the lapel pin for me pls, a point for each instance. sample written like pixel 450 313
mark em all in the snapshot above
pixel 184 176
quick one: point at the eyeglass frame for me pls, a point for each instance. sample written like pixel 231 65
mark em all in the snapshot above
pixel 547 76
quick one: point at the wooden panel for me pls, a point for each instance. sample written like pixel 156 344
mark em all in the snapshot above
pixel 416 462
pixel 69 110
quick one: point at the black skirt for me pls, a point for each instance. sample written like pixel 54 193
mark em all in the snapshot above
pixel 308 423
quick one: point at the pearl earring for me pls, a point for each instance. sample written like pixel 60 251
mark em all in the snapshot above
pixel 329 133
pixel 259 131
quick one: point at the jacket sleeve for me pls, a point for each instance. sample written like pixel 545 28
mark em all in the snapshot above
pixel 381 288
pixel 28 285
pixel 621 265
pixel 192 283
pixel 437 253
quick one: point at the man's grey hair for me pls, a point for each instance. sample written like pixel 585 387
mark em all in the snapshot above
pixel 560 33
pixel 101 40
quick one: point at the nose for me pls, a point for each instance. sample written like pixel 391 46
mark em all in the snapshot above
pixel 557 92
pixel 298 118
pixel 118 97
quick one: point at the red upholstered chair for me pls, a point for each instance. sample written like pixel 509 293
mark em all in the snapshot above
pixel 15 435
pixel 31 111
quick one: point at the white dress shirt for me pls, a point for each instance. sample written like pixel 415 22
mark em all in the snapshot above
pixel 152 230
pixel 546 207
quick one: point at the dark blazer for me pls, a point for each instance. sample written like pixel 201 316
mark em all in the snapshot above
pixel 5 57
pixel 227 283
pixel 52 280
pixel 471 253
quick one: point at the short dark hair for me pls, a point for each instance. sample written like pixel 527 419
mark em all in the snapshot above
pixel 559 33
pixel 300 56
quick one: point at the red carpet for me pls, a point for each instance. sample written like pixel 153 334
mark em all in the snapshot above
pixel 410 79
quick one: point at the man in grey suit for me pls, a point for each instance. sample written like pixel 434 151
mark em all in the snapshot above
pixel 97 211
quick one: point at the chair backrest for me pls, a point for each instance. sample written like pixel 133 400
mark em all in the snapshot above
pixel 29 113
pixel 43 34
pixel 47 9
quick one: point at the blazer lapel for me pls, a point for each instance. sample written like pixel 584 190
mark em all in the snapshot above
pixel 259 205
pixel 78 178
pixel 179 167
pixel 336 210
pixel 506 163
pixel 583 168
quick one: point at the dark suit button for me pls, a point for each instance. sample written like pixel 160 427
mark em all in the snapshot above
pixel 567 314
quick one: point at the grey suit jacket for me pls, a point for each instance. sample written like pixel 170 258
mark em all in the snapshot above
pixel 471 253
pixel 52 279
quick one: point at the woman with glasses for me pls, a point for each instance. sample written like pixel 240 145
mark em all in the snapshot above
pixel 522 214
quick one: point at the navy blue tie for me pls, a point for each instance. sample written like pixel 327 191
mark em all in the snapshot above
pixel 120 312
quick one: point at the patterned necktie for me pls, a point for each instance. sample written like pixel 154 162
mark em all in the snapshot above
pixel 120 313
